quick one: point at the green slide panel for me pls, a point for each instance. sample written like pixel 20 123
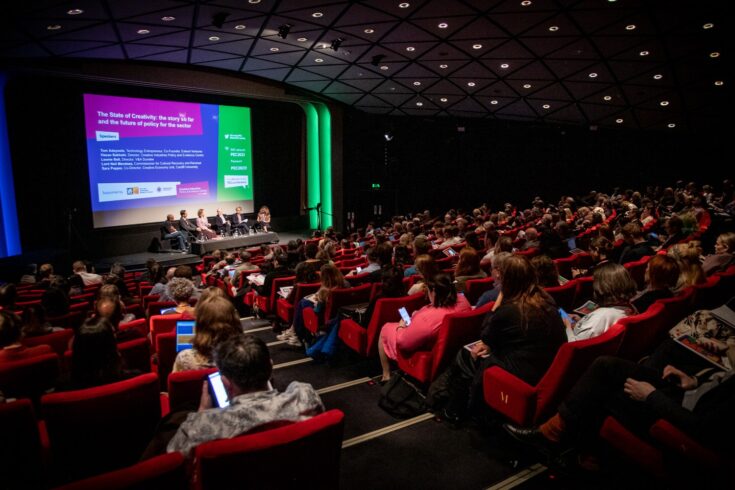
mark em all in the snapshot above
pixel 234 155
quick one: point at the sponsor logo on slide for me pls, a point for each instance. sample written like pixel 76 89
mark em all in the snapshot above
pixel 236 181
pixel 107 136
pixel 124 191
pixel 193 189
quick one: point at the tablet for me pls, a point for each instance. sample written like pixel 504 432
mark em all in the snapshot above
pixel 185 330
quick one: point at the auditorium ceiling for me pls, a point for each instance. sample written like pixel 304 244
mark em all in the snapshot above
pixel 624 63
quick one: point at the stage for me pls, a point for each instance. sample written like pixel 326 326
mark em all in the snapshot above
pixel 201 248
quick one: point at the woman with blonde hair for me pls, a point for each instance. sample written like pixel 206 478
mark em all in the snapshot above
pixel 264 218
pixel 203 225
pixel 690 268
pixel 426 269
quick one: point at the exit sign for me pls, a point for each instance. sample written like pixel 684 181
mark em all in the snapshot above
pixel 376 186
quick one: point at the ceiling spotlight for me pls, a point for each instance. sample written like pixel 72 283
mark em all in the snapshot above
pixel 477 46
pixel 471 84
pixel 630 27
pixel 53 27
pixel 526 85
pixel 658 76
pixel 505 66
pixel 443 25
pixel 443 99
pixel 546 106
pixel 319 60
pixel 719 83
pixel 593 75
pixel 143 31
pixel 388 135
pixel 75 11
pixel 443 67
pixel 254 2
pixel 607 98
pixel 369 31
pixel 419 104
pixel 218 19
pixel 644 53
pixel 525 3
pixel 302 39
pixel 336 44
pixel 214 38
pixel 375 60
pixel 168 18
pixel 714 54
pixel 384 67
pixel 672 125
pixel 664 103
pixel 410 48
pixel 317 15
pixel 404 5
pixel 273 50
pixel 283 30
pixel 619 121
pixel 417 83
pixel 494 102
pixel 240 27
pixel 708 25
pixel 554 28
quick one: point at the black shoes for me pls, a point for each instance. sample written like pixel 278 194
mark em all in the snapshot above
pixel 532 437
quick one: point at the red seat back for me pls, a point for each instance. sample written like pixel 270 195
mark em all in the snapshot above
pixel 162 324
pixel 136 354
pixel 73 319
pixel 676 308
pixel 530 253
pixel 166 351
pixel 564 266
pixel 141 325
pixel 311 449
pixel 155 307
pixel 276 285
pixel 584 290
pixel 643 332
pixel 29 378
pixel 637 271
pixel 474 288
pixel 58 341
pixel 102 428
pixel 21 462
pixel 386 310
pixel 346 296
pixel 185 388
pixel 564 295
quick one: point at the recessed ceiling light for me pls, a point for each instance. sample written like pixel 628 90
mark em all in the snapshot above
pixel 619 121
pixel 672 125
pixel 546 106
pixel 417 83
pixel 494 102
pixel 75 11
pixel 714 54
pixel 526 85
pixel 53 27
pixel 593 75
pixel 504 66
pixel 302 39
pixel 554 28
pixel 477 46
pixel 404 5
pixel 471 84
pixel 143 31
pixel 658 76
pixel 168 18
pixel 664 103
pixel 719 83
pixel 443 25
pixel 240 27
pixel 316 15
pixel 319 60
pixel 214 38
pixel 254 1
pixel 384 67
pixel 525 3
pixel 630 27
pixel 369 31
pixel 272 49
pixel 410 48
pixel 443 99
pixel 644 53
pixel 708 25
pixel 419 104
pixel 607 97
pixel 443 67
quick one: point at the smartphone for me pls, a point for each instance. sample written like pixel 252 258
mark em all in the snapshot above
pixel 231 272
pixel 358 269
pixel 450 252
pixel 218 391
pixel 185 330
pixel 565 316
pixel 404 314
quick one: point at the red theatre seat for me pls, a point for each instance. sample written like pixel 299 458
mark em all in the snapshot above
pixel 564 295
pixel 267 304
pixel 528 405
pixel 136 354
pixel 285 308
pixel 21 460
pixel 457 330
pixel 166 352
pixel 165 472
pixel 29 378
pixel 637 271
pixel 161 324
pixel 338 299
pixel 141 325
pixel 185 388
pixel 301 455
pixel 643 332
pixel 584 290
pixel 474 288
pixel 103 428
pixel 58 341
pixel 364 340
pixel 155 307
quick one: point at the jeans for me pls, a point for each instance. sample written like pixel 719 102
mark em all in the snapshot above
pixel 179 236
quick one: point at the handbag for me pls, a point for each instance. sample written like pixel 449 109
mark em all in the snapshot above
pixel 401 398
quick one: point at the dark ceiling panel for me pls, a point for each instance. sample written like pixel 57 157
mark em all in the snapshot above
pixel 233 64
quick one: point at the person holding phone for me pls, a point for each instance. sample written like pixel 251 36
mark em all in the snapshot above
pixel 425 323
pixel 245 369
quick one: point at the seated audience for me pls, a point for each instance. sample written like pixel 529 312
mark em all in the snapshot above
pixel 89 278
pixel 497 273
pixel 421 246
pixel 246 368
pixel 546 272
pixel 8 296
pixel 690 268
pixel 468 267
pixel 636 245
pixel 391 286
pixel 724 254
pixel 181 290
pixel 425 322
pixel 425 267
pixel 662 275
pixel 35 323
pixel 306 272
pixel 600 250
pixel 10 334
pixel 674 232
pixel 55 299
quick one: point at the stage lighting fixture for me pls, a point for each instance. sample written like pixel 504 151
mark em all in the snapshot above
pixel 218 19
pixel 375 61
pixel 283 30
pixel 388 135
pixel 336 44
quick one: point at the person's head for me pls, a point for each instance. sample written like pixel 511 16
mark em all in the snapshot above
pixel 10 328
pixel 674 225
pixel 118 270
pixel 391 283
pixel 180 289
pixel 372 255
pixel 210 292
pixel 469 262
pixel 546 272
pixel 183 213
pixel 504 244
pixel 245 256
pixel 498 264
pixel 725 243
pixel 331 277
pixel 238 210
pixel 156 274
pixel 662 272
pixel 34 320
pixel 95 359
pixel 200 213
pixel 230 258
pixel 426 266
pixel 45 271
pixel 519 277
pixel 216 321
pixel 280 257
pixel 169 217
pixel 632 233
pixel 612 285
pixel 687 253
pixel 79 266
pixel 310 250
pixel 111 309
pixel 421 245
pixel 600 247
pixel 219 212
pixel 264 209
pixel 8 295
pixel 531 234
pixel 441 291
pixel 245 364
pixel 385 253
pixel 183 271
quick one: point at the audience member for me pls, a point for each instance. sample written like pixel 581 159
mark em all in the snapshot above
pixel 10 334
pixel 637 246
pixel 34 322
pixel 690 268
pixel 724 254
pixel 89 278
pixel 468 267
pixel 181 290
pixel 546 272
pixel 497 274
pixel 662 275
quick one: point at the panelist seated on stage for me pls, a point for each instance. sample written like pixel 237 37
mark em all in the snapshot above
pixel 222 224
pixel 239 221
pixel 264 218
pixel 170 232
pixel 203 225
pixel 186 226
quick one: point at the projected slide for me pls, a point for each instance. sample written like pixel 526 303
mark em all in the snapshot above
pixel 148 158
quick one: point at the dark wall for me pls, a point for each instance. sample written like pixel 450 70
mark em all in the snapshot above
pixel 430 165
pixel 46 130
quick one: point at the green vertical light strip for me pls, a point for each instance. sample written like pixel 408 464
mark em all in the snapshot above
pixel 325 163
pixel 313 186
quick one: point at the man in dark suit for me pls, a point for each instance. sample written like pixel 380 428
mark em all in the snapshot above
pixel 186 226
pixel 239 221
pixel 171 232
pixel 222 223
